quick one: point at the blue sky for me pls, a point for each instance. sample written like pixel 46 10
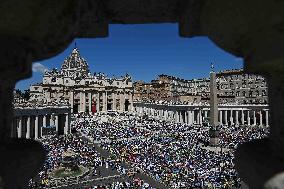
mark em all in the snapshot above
pixel 144 51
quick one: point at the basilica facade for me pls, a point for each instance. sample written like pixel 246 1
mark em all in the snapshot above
pixel 85 92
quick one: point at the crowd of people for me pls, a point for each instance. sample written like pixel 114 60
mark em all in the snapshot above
pixel 176 155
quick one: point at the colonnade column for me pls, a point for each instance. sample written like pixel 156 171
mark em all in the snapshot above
pixel 206 113
pixel 185 117
pixel 254 118
pixel 19 130
pixel 248 117
pixel 180 117
pixel 36 127
pixel 197 117
pixel 44 121
pixel 28 131
pixel 220 117
pixel 190 118
pixel 67 124
pixel 193 116
pixel 200 117
pixel 237 117
pixel 176 117
pixel 266 118
pixel 56 122
pixel 260 118
pixel 231 118
pixel 166 114
pixel 226 117
pixel 90 101
pixel 243 117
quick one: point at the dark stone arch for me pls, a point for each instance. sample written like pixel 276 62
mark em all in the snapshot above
pixel 36 30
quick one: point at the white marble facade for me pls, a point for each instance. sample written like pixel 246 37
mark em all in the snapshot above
pixel 84 91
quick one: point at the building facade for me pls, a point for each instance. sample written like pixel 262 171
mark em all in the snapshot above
pixel 85 92
pixel 233 86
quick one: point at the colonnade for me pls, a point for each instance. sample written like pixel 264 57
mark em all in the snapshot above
pixel 33 123
pixel 102 101
pixel 194 114
pixel 31 126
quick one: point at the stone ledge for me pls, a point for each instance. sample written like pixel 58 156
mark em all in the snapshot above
pixel 256 162
pixel 21 159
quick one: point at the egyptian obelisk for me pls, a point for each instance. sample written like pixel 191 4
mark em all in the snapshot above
pixel 214 133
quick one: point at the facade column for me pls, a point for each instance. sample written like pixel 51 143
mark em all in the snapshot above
pixel 104 101
pixel 121 101
pixel 19 127
pixel 267 117
pixel 36 127
pixel 260 118
pixel 84 102
pixel 28 133
pixel 130 102
pixel 90 101
pixel 80 103
pixel 98 102
pixel 72 100
pixel 114 100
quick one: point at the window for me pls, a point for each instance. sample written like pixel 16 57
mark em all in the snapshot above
pixel 238 93
pixel 53 79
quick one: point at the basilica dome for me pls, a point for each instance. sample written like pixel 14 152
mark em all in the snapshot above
pixel 75 65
